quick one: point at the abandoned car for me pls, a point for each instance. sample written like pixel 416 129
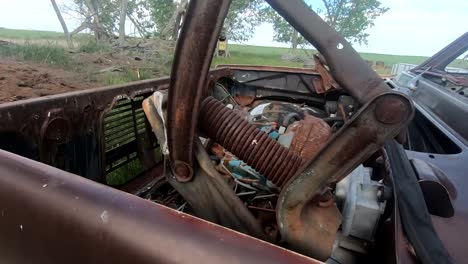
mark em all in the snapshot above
pixel 242 164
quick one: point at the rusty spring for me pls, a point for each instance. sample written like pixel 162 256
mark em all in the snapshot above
pixel 247 142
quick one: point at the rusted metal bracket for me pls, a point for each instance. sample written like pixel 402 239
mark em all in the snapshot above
pixel 379 120
pixel 326 82
pixel 196 44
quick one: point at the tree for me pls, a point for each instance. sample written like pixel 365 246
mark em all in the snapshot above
pixel 172 28
pixel 123 17
pixel 351 18
pixel 104 17
pixel 64 25
pixel 159 18
pixel 161 12
pixel 243 18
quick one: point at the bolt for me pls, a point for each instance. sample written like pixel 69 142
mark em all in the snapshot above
pixel 183 172
pixel 390 109
pixel 326 200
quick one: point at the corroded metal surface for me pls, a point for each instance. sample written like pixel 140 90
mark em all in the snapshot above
pixel 247 142
pixel 352 145
pixel 74 122
pixel 189 77
pixel 51 216
pixel 310 136
pixel 326 82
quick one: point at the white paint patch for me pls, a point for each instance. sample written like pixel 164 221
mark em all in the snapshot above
pixel 21 227
pixel 105 216
pixel 339 46
pixel 254 142
pixel 45 185
pixel 259 109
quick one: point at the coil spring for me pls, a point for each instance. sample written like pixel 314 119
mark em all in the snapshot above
pixel 247 142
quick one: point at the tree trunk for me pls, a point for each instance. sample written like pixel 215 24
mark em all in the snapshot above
pixel 64 25
pixel 172 27
pixel 137 25
pixel 295 39
pixel 97 27
pixel 123 16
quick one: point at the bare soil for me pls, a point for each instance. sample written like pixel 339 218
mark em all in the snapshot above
pixel 23 80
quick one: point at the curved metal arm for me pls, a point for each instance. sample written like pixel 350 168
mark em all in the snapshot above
pixel 192 61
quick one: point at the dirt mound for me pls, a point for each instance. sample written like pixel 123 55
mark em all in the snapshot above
pixel 21 80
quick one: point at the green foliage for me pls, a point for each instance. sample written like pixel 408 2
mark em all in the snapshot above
pixel 283 32
pixel 107 12
pixel 242 19
pixel 161 12
pixel 49 54
pixel 351 18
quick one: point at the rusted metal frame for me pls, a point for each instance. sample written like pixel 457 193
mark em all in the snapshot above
pixel 85 110
pixel 345 64
pixel 51 216
pixel 195 48
pixel 264 68
pixel 379 120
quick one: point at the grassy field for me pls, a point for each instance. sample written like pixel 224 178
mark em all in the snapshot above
pixel 38 35
pixel 240 54
pixel 245 54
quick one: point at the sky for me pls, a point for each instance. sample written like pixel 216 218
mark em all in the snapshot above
pixel 410 27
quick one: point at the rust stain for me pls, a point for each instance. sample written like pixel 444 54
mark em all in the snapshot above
pixel 310 137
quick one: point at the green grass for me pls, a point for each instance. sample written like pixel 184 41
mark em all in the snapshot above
pixel 130 170
pixel 390 60
pixel 128 75
pixel 92 46
pixel 256 55
pixel 29 34
pixel 272 56
pixel 23 34
pixel 125 173
pixel 49 54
